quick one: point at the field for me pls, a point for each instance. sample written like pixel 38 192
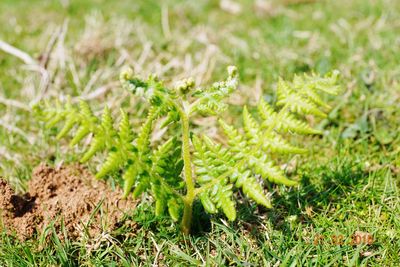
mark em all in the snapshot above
pixel 349 181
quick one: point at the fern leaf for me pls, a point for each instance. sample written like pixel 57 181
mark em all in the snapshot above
pixel 124 130
pixel 276 144
pixel 129 178
pixel 268 170
pixel 314 97
pixel 113 162
pixel 143 139
pixel 289 123
pixel 72 117
pixel 81 133
pixel 327 84
pixel 221 195
pixel 174 209
pixel 250 126
pixel 286 123
pixel 88 123
pixel 210 159
pixel 211 99
pixel 103 137
pixel 243 179
pixel 160 197
pixel 52 116
pixel 253 190
pixel 237 143
pixel 207 203
pixel 107 122
pixel 167 162
pixel 69 124
pixel 97 144
pixel 142 184
pixel 299 105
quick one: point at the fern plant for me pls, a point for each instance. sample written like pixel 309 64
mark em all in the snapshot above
pixel 189 166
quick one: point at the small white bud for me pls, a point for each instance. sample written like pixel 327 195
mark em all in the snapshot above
pixel 232 71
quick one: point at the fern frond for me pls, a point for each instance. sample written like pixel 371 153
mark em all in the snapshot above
pixel 161 198
pixel 97 145
pixel 142 184
pixel 168 164
pixel 237 142
pixel 274 143
pixel 104 137
pixel 221 195
pixel 129 178
pixel 286 123
pixel 252 188
pixel 208 204
pixel 210 100
pixel 71 118
pixel 187 166
pixel 327 84
pixel 210 159
pixel 125 132
pixel 113 162
pixel 143 139
pixel 251 127
pixel 270 141
pixel 268 170
pixel 174 209
pixel 53 115
pixel 301 96
pixel 87 122
pixel 296 101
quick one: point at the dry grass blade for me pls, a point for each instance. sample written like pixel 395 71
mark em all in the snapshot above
pixel 16 130
pixel 27 59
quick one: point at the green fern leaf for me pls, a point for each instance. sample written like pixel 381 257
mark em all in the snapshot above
pixel 286 123
pixel 221 196
pixel 113 162
pixel 71 118
pixel 142 184
pixel 276 144
pixel 266 168
pixel 207 203
pixel 104 136
pixel 187 167
pixel 252 188
pixel 129 178
pixel 174 209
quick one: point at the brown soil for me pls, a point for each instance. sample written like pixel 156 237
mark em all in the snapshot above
pixel 68 195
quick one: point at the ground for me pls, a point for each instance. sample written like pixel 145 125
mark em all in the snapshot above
pixel 349 180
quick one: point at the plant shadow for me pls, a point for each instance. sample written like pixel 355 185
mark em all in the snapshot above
pixel 318 189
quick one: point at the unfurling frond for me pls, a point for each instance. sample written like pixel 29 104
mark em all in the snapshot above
pixel 182 166
pixel 210 100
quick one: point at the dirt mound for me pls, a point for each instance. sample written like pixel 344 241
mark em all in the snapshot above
pixel 69 195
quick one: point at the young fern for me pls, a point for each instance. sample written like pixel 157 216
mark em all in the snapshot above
pixel 188 166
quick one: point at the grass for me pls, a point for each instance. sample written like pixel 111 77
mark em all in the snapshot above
pixel 349 181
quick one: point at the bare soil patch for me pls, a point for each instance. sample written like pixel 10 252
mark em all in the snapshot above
pixel 69 195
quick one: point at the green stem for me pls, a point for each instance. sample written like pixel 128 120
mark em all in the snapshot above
pixel 187 217
pixel 187 168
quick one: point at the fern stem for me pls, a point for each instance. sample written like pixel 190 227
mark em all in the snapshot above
pixel 187 216
pixel 187 168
